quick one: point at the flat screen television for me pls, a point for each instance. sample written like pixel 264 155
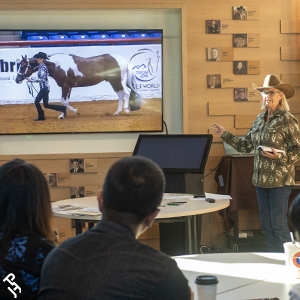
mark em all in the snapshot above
pixel 180 153
pixel 110 81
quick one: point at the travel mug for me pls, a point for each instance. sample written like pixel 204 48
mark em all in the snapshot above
pixel 206 287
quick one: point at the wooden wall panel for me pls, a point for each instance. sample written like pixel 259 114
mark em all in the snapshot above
pixel 197 118
pixel 289 53
pixel 293 78
pixel 290 26
pixel 235 131
pixel 60 163
pixel 233 108
pixel 244 120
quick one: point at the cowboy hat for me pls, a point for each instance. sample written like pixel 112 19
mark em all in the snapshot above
pixel 243 36
pixel 41 55
pixel 272 81
pixel 241 7
pixel 76 159
pixel 241 90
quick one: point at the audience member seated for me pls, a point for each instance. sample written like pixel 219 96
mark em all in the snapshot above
pixel 25 226
pixel 107 262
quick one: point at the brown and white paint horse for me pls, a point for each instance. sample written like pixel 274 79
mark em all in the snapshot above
pixel 70 71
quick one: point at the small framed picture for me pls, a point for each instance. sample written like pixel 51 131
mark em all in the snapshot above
pixel 240 67
pixel 214 81
pixel 76 165
pixel 241 94
pixel 213 26
pixel 214 54
pixel 77 192
pixel 51 179
pixel 239 13
pixel 240 40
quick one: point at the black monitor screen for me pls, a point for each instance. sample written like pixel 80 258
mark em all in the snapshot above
pixel 176 153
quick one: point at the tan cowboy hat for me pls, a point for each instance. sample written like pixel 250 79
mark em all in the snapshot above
pixel 272 81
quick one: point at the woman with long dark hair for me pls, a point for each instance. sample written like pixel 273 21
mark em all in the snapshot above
pixel 25 229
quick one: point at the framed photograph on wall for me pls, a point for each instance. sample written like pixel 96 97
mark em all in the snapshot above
pixel 51 179
pixel 77 165
pixel 239 13
pixel 241 94
pixel 213 26
pixel 214 54
pixel 77 192
pixel 214 81
pixel 240 67
pixel 240 40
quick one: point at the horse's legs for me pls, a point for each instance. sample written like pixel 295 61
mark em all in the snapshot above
pixel 126 94
pixel 126 98
pixel 66 92
pixel 121 97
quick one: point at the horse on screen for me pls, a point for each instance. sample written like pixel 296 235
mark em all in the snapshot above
pixel 70 71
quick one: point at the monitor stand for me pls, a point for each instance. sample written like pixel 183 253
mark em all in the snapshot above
pixel 173 233
pixel 184 183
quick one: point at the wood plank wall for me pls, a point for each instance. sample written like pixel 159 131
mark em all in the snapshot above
pixel 279 39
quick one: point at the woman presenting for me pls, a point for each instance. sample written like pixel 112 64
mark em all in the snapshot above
pixel 274 172
pixel 42 79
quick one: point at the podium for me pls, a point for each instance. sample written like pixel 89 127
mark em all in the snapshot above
pixel 182 158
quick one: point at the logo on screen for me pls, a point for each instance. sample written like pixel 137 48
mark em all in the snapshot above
pixel 145 64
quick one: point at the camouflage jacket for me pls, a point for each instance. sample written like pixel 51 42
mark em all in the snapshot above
pixel 281 131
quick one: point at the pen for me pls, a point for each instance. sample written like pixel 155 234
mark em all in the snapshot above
pixel 176 204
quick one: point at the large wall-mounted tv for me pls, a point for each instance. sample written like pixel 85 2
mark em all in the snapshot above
pixel 109 81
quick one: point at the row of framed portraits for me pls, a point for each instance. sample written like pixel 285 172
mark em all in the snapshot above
pixel 243 67
pixel 242 40
pixel 77 165
pixel 80 165
pixel 243 94
pixel 63 180
pixel 240 12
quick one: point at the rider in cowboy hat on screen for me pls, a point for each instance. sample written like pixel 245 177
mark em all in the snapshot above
pixel 42 79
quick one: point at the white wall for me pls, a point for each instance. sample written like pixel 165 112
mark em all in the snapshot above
pixel 167 19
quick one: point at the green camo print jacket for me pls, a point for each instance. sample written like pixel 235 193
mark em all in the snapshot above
pixel 281 131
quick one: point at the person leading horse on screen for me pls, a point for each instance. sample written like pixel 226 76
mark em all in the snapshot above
pixel 44 89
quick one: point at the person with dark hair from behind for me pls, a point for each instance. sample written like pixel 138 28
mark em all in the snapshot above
pixel 25 226
pixel 107 262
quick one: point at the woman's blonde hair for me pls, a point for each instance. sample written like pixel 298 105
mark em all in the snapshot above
pixel 283 104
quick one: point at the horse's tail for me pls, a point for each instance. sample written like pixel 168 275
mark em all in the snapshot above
pixel 135 99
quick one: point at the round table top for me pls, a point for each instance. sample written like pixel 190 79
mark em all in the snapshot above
pixel 189 208
pixel 246 275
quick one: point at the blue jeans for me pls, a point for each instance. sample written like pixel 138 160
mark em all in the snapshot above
pixel 273 206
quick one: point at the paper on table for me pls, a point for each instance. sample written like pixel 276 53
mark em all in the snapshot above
pixel 91 209
pixel 85 213
pixel 175 196
pixel 66 207
pixel 213 196
pixel 217 196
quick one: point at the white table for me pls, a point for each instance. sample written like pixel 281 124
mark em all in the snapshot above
pixel 189 210
pixel 241 275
